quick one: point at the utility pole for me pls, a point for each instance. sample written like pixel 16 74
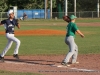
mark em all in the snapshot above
pixel 66 7
pixel 75 7
pixel 45 13
pixel 98 8
pixel 51 9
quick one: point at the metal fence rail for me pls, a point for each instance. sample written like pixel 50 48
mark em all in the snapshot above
pixel 3 15
pixel 82 14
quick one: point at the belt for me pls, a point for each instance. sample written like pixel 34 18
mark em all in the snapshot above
pixel 10 32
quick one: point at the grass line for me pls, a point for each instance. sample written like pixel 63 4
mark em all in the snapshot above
pixel 17 73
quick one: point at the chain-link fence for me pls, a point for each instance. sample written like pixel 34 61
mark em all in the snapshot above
pixel 83 14
pixel 3 15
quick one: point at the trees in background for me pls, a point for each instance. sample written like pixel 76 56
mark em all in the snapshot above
pixel 3 5
pixel 58 5
pixel 87 5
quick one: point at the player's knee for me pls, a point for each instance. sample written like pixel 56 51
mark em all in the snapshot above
pixel 72 51
pixel 18 42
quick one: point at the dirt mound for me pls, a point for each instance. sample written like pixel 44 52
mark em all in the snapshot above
pixel 38 32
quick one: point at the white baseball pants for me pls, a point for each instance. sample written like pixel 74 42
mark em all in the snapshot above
pixel 11 38
pixel 73 49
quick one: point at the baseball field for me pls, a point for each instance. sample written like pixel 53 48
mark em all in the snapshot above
pixel 43 47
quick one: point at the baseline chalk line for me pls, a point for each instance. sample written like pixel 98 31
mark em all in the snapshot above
pixel 21 63
pixel 84 70
pixel 76 69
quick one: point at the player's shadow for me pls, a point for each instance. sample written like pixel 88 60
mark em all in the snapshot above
pixel 29 61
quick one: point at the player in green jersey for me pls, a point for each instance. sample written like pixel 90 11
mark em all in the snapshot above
pixel 69 39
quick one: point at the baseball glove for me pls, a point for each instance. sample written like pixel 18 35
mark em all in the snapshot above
pixel 66 18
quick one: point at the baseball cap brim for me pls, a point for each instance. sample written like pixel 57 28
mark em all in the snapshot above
pixel 72 17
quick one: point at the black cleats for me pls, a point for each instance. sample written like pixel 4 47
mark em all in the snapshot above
pixel 1 59
pixel 16 56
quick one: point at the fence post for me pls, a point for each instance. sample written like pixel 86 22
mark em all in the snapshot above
pixel 98 8
pixel 92 14
pixel 75 7
pixel 51 9
pixel 1 15
pixel 79 14
pixel 66 7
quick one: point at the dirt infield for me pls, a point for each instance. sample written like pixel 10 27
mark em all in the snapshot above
pixel 88 65
pixel 40 32
pixel 49 31
pixel 37 32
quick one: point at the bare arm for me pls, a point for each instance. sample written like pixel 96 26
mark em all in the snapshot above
pixel 18 26
pixel 80 33
pixel 1 24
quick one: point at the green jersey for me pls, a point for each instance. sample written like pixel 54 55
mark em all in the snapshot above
pixel 71 29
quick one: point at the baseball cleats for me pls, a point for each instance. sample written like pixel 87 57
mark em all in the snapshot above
pixel 16 56
pixel 65 64
pixel 76 62
pixel 1 59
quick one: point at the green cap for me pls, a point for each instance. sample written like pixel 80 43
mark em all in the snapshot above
pixel 72 17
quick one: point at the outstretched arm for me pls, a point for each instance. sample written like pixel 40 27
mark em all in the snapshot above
pixel 18 26
pixel 1 24
pixel 80 33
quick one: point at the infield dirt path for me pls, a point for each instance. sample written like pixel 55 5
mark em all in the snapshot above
pixel 42 64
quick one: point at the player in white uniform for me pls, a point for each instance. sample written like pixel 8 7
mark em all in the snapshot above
pixel 9 25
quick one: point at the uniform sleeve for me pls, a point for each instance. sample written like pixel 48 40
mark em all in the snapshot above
pixel 3 22
pixel 75 27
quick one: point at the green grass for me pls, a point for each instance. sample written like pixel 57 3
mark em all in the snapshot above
pixel 53 22
pixel 82 20
pixel 45 45
pixel 87 20
pixel 32 45
pixel 16 73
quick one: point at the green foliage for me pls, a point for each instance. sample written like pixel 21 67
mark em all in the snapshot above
pixel 3 5
pixel 86 5
pixel 82 5
pixel 31 4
